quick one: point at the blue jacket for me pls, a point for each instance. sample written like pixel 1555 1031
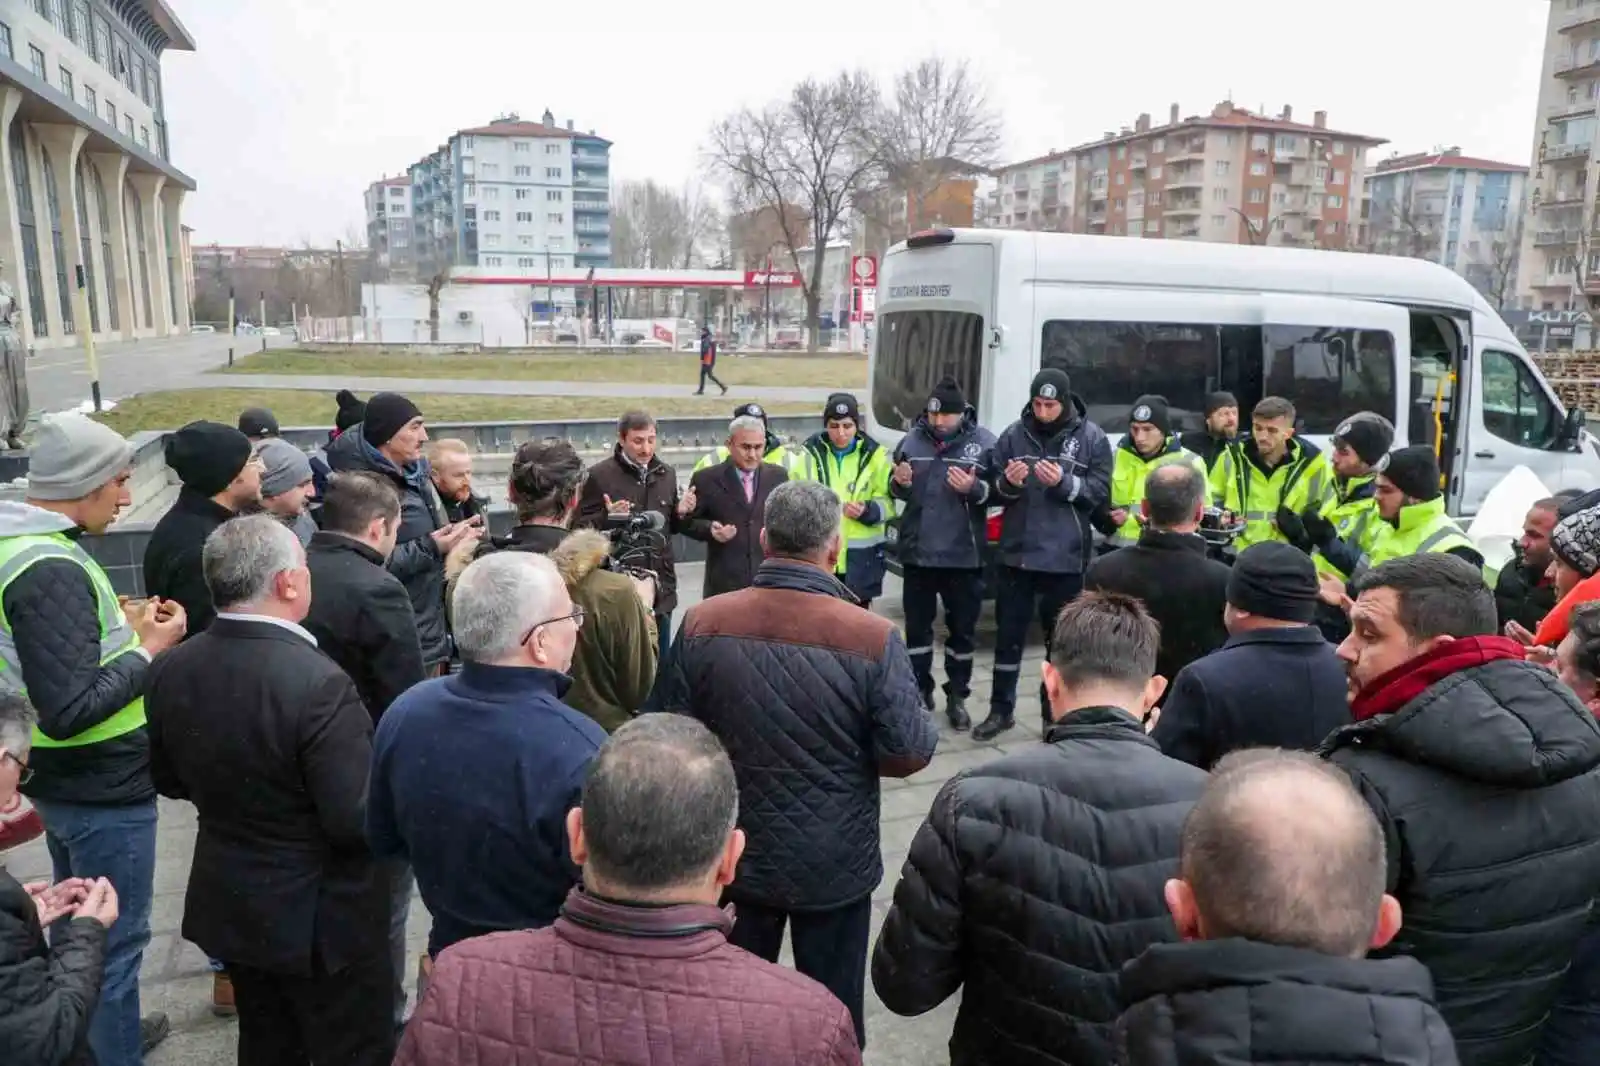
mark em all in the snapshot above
pixel 939 527
pixel 1048 528
pixel 472 779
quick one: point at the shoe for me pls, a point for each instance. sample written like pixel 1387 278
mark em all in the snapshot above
pixel 700 392
pixel 927 701
pixel 222 1004
pixel 955 709
pixel 724 390
pixel 993 726
pixel 153 1028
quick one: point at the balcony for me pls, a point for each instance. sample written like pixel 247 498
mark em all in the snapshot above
pixel 591 181
pixel 1562 153
pixel 1186 178
pixel 1194 149
pixel 602 229
pixel 1584 16
pixel 1137 163
pixel 1569 109
pixel 1183 233
pixel 1180 208
pixel 1564 197
pixel 1557 238
pixel 581 158
pixel 602 207
pixel 1572 66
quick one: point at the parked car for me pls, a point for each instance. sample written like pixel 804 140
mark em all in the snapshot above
pixel 202 328
pixel 272 331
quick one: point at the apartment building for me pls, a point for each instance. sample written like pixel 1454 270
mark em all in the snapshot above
pixel 896 209
pixel 388 211
pixel 91 183
pixel 1457 210
pixel 513 194
pixel 1232 175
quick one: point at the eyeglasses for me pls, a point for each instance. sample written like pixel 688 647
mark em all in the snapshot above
pixel 24 775
pixel 576 618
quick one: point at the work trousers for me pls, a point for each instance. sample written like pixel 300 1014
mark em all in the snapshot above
pixel 707 375
pixel 830 947
pixel 1023 596
pixel 962 593
pixel 324 1019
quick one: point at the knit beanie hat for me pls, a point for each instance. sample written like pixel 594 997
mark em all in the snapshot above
pixel 1216 401
pixel 1413 470
pixel 351 410
pixel 1152 410
pixel 1274 580
pixel 258 422
pixel 842 405
pixel 207 456
pixel 750 410
pixel 1050 384
pixel 1576 541
pixel 947 398
pixel 1368 434
pixel 73 455
pixel 284 466
pixel 387 414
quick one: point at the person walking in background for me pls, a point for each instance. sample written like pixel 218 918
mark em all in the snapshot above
pixel 83 661
pixel 473 774
pixel 730 502
pixel 942 475
pixel 708 362
pixel 1524 591
pixel 287 486
pixel 1279 897
pixel 1221 430
pixel 855 466
pixel 815 700
pixel 640 960
pixel 221 477
pixel 283 888
pixel 1037 876
pixel 1052 470
pixel 1275 683
pixel 450 468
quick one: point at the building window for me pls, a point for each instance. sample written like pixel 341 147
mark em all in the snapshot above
pixel 491 240
pixel 523 171
pixel 525 241
pixel 1257 196
pixel 521 147
pixel 491 192
pixel 28 230
pixel 1279 199
pixel 552 149
pixel 525 262
pixel 489 170
pixel 469 190
pixel 1218 221
pixel 68 90
pixel 1219 194
pixel 552 172
pixel 111 115
pixel 491 260
pixel 1319 173
pixel 1331 229
pixel 1122 151
pixel 5 40
pixel 556 217
pixel 105 247
pixel 140 80
pixel 396 191
pixel 1335 201
pixel 1258 169
pixel 82 32
pixel 1338 177
pixel 1260 142
pixel 1223 168
pixel 36 61
pixel 553 195
pixel 1155 173
pixel 1338 148
pixel 102 45
pixel 144 138
pixel 1121 177
pixel 57 241
pixel 1286 143
pixel 131 196
pixel 120 67
pixel 524 216
pixel 86 246
pixel 523 194
pixel 1158 145
pixel 491 216
pixel 127 125
pixel 91 100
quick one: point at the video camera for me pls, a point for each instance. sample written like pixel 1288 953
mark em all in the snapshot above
pixel 1219 528
pixel 635 539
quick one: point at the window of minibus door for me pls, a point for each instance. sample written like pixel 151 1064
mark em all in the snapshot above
pixel 1439 346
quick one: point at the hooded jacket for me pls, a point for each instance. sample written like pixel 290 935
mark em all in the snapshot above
pixel 1048 528
pixel 1481 769
pixel 654 488
pixel 939 527
pixel 415 560
pixel 48 992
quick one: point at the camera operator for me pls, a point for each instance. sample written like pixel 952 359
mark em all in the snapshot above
pixel 631 483
pixel 614 665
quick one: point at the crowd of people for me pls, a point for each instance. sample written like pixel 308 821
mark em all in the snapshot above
pixel 1310 788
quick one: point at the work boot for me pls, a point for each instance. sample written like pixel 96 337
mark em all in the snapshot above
pixel 222 1004
pixel 955 709
pixel 997 722
pixel 927 701
pixel 153 1028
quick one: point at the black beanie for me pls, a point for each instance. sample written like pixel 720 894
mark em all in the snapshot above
pixel 842 405
pixel 1274 580
pixel 351 410
pixel 1413 470
pixel 947 398
pixel 258 422
pixel 207 456
pixel 1152 409
pixel 750 410
pixel 1051 384
pixel 1369 435
pixel 1216 401
pixel 387 414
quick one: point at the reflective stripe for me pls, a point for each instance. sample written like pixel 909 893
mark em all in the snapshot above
pixel 920 651
pixel 1007 668
pixel 1258 516
pixel 1119 541
pixel 958 657
pixel 1314 490
pixel 865 542
pixel 1438 535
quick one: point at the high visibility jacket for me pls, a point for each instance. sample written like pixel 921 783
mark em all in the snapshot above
pixel 861 476
pixel 117 637
pixel 1303 480
pixel 1129 470
pixel 1353 510
pixel 777 455
pixel 1422 527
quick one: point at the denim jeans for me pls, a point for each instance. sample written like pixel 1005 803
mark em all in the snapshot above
pixel 401 887
pixel 118 843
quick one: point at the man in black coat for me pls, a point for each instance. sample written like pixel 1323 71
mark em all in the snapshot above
pixel 1524 593
pixel 283 888
pixel 1037 876
pixel 1279 899
pixel 1183 589
pixel 730 504
pixel 1484 772
pixel 221 477
pixel 1276 683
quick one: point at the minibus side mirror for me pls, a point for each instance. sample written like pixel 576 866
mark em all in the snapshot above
pixel 1572 429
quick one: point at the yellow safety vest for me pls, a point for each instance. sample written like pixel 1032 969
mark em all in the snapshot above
pixel 1422 527
pixel 1353 510
pixel 861 475
pixel 1304 481
pixel 1129 470
pixel 778 456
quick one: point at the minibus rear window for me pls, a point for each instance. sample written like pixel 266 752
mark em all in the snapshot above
pixel 915 349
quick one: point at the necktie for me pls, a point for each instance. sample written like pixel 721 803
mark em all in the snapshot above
pixel 749 486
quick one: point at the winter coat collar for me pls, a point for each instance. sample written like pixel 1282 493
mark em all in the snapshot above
pixel 1298 451
pixel 536 538
pixel 801 577
pixel 1170 446
pixel 654 468
pixel 1162 540
pixel 337 542
pixel 1073 415
pixel 655 931
pixel 1349 490
pixel 1393 690
pixel 969 422
pixel 511 684
pixel 191 502
pixel 1107 723
pixel 1305 635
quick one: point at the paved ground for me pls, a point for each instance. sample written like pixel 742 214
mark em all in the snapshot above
pixel 59 379
pixel 176 978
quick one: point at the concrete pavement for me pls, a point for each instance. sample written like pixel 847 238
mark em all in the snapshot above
pixel 58 379
pixel 177 980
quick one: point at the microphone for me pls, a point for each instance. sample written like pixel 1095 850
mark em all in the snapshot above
pixel 643 522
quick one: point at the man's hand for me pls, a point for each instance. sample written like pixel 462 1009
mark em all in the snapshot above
pixel 854 510
pixel 961 479
pixel 1542 655
pixel 1119 516
pixel 1330 590
pixel 1318 528
pixel 1290 526
pixel 646 588
pixel 1017 472
pixel 903 474
pixel 133 609
pixel 53 902
pixel 1049 473
pixel 1519 633
pixel 687 503
pixel 100 903
pixel 162 626
pixel 722 534
pixel 447 537
pixel 617 506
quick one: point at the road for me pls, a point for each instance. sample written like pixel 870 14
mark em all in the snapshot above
pixel 177 980
pixel 58 379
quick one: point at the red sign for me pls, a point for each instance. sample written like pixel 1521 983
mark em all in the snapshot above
pixel 661 333
pixel 864 271
pixel 781 279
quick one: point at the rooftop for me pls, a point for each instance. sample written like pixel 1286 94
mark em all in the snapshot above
pixel 145 15
pixel 1444 159
pixel 512 125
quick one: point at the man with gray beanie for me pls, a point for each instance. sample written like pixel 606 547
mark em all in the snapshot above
pixel 287 486
pixel 81 658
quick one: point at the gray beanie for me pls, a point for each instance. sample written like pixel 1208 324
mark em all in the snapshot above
pixel 72 456
pixel 284 466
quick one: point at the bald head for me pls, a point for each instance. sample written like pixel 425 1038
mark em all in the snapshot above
pixel 1174 495
pixel 1281 849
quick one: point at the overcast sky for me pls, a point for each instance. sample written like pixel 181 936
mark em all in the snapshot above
pixel 290 107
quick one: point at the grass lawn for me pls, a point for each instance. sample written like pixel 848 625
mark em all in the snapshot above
pixel 294 407
pixel 795 371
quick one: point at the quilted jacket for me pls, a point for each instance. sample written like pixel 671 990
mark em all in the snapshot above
pixel 815 700
pixel 626 986
pixel 48 992
pixel 1034 879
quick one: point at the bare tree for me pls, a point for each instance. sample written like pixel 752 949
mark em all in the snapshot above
pixel 804 158
pixel 1402 229
pixel 654 226
pixel 1498 264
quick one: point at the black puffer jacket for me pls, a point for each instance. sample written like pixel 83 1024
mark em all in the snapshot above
pixel 415 559
pixel 1234 1002
pixel 815 700
pixel 1034 879
pixel 1487 791
pixel 48 992
pixel 173 568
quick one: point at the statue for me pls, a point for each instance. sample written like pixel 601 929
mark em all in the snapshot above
pixel 13 367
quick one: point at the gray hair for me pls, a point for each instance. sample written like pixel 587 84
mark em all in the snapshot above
pixel 746 424
pixel 243 555
pixel 498 599
pixel 802 519
pixel 1174 491
pixel 16 723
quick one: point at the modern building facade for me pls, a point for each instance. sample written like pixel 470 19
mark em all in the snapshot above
pixel 87 178
pixel 389 227
pixel 1460 211
pixel 513 194
pixel 1232 175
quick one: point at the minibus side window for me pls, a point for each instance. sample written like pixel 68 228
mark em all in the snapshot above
pixel 1329 373
pixel 1515 408
pixel 1112 364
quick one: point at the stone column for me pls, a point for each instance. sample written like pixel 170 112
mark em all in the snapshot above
pixel 148 188
pixel 172 198
pixel 113 168
pixel 10 230
pixel 64 143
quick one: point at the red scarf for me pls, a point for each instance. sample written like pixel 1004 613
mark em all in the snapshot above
pixel 1406 682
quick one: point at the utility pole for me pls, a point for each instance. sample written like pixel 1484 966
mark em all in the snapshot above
pixel 263 319
pixel 344 293
pixel 232 325
pixel 88 338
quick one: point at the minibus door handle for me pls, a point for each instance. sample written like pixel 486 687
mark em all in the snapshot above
pixel 1483 455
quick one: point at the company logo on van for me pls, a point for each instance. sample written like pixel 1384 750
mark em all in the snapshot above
pixel 911 292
